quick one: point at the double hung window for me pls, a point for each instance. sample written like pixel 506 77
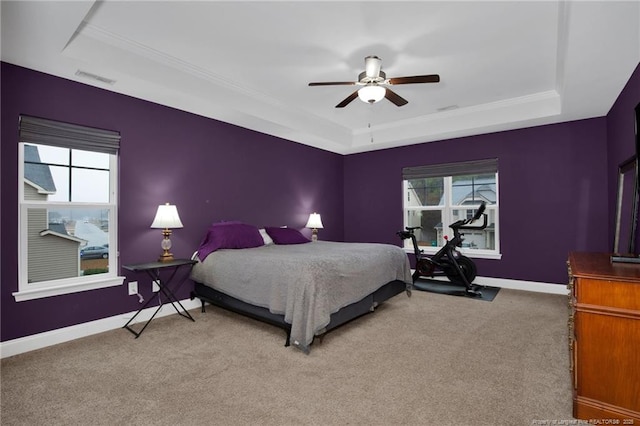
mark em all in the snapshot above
pixel 436 196
pixel 68 208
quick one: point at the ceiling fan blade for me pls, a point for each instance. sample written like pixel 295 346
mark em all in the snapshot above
pixel 395 98
pixel 431 78
pixel 333 83
pixel 347 100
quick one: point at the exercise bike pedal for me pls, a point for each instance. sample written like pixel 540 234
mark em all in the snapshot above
pixel 475 291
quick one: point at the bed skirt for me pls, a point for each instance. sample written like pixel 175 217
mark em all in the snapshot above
pixel 365 305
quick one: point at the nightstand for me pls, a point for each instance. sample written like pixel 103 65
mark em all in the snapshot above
pixel 153 270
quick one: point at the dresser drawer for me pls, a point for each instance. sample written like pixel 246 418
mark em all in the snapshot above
pixel 607 293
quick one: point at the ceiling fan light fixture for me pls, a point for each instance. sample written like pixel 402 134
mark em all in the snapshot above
pixel 371 93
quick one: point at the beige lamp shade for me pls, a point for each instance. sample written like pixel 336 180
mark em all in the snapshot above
pixel 167 217
pixel 314 222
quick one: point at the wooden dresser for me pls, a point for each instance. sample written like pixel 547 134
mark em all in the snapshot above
pixel 604 338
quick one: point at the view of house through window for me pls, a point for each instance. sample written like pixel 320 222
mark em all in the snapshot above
pixel 68 231
pixel 434 202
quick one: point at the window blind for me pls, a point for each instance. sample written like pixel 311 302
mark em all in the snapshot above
pixel 48 132
pixel 475 167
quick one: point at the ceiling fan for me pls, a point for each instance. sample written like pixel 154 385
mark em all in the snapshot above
pixel 373 80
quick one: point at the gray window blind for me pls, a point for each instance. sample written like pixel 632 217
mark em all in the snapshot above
pixel 66 135
pixel 475 167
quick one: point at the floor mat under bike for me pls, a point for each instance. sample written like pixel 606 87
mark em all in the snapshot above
pixel 445 287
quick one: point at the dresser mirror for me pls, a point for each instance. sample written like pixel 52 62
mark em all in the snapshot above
pixel 626 207
pixel 627 200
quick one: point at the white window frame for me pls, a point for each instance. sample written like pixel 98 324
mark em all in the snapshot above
pixel 42 289
pixel 447 219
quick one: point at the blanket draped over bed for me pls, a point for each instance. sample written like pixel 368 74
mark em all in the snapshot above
pixel 304 282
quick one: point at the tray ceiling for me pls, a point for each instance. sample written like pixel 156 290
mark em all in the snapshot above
pixel 503 65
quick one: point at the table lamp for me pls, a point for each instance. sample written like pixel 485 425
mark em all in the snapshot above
pixel 315 223
pixel 166 219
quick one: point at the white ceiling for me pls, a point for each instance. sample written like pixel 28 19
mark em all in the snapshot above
pixel 503 65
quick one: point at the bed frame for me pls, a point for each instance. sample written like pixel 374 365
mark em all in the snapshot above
pixel 344 315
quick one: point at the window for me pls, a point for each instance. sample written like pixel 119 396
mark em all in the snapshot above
pixel 68 208
pixel 436 196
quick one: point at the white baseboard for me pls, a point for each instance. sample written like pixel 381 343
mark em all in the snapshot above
pixel 523 285
pixel 61 335
pixel 518 285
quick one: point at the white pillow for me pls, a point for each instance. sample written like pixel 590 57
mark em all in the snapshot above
pixel 267 239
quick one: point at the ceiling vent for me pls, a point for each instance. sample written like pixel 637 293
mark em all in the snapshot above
pixel 448 108
pixel 96 77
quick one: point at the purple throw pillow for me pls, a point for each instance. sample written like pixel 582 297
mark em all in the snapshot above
pixel 229 235
pixel 286 235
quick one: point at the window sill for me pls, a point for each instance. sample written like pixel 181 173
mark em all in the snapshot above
pixel 75 287
pixel 469 253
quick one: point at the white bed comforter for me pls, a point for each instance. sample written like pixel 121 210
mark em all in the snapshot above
pixel 304 282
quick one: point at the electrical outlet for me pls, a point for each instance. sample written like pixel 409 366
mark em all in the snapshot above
pixel 133 288
pixel 155 287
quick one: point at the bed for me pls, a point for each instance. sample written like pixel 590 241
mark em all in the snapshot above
pixel 306 288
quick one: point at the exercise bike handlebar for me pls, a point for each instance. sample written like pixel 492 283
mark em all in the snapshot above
pixel 479 212
pixel 464 224
pixel 460 224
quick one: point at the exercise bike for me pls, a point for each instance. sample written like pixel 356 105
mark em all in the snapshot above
pixel 448 261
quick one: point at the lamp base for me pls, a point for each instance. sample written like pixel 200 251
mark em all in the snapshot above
pixel 166 246
pixel 166 257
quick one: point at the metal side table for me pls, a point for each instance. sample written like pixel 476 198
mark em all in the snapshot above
pixel 153 269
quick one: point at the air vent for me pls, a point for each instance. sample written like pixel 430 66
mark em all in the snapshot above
pixel 448 108
pixel 96 77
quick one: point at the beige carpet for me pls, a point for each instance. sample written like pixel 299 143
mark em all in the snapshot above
pixel 426 360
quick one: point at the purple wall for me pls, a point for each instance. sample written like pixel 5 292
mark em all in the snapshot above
pixel 620 139
pixel 552 188
pixel 556 188
pixel 211 170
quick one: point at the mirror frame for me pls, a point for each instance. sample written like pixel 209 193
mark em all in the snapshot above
pixel 626 207
pixel 628 169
